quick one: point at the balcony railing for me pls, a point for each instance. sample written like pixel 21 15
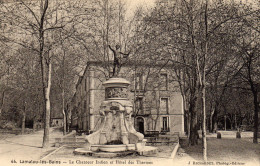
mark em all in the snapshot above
pixel 143 113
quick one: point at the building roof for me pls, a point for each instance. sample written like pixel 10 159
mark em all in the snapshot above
pixel 130 63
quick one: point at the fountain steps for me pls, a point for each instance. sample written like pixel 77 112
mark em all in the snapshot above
pixel 145 151
pixel 83 151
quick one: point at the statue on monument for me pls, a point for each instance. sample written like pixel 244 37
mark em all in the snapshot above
pixel 119 59
pixel 115 134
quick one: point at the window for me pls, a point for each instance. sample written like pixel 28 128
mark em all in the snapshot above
pixel 139 81
pixel 163 81
pixel 165 124
pixel 139 105
pixel 164 106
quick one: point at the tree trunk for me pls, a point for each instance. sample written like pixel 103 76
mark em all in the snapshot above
pixel 156 120
pixel 254 90
pixel 46 80
pixel 2 103
pixel 187 123
pixel 236 121
pixel 204 134
pixel 256 105
pixel 23 122
pixel 215 122
pixel 225 122
pixel 47 108
pixel 211 126
pixel 63 112
pixel 157 109
pixel 34 124
pixel 203 90
pixel 64 123
pixel 193 139
pixel 187 116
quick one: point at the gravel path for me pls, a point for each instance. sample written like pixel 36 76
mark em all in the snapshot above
pixel 28 146
pixel 224 151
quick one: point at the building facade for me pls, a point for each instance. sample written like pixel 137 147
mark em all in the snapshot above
pixel 56 122
pixel 158 104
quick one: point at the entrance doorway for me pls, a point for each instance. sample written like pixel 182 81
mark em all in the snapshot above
pixel 140 125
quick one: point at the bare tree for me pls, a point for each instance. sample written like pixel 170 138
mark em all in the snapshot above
pixel 33 25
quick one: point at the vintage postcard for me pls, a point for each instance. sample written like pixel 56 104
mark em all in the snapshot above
pixel 129 82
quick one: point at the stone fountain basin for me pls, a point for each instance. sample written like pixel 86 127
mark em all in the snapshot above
pixel 113 148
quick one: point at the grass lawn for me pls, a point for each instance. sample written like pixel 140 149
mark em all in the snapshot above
pixel 226 149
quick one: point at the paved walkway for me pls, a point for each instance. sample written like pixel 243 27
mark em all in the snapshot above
pixel 27 146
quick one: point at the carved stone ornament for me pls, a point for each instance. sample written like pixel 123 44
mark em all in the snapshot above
pixel 116 92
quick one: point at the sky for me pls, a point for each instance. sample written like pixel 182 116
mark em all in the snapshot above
pixel 133 4
pixel 147 4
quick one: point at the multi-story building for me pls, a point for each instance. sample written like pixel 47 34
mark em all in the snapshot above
pixel 158 104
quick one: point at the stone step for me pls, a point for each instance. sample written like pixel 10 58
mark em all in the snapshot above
pixel 147 151
pixel 69 144
pixel 83 151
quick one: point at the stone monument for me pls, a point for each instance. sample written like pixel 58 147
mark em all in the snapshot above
pixel 116 134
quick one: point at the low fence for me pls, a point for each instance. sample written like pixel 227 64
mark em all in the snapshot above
pixel 69 139
pixel 163 139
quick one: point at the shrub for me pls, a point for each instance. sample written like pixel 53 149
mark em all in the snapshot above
pixel 9 125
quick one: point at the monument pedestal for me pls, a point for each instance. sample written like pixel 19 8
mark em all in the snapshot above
pixel 116 132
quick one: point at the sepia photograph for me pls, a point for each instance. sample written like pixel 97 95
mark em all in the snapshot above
pixel 129 82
